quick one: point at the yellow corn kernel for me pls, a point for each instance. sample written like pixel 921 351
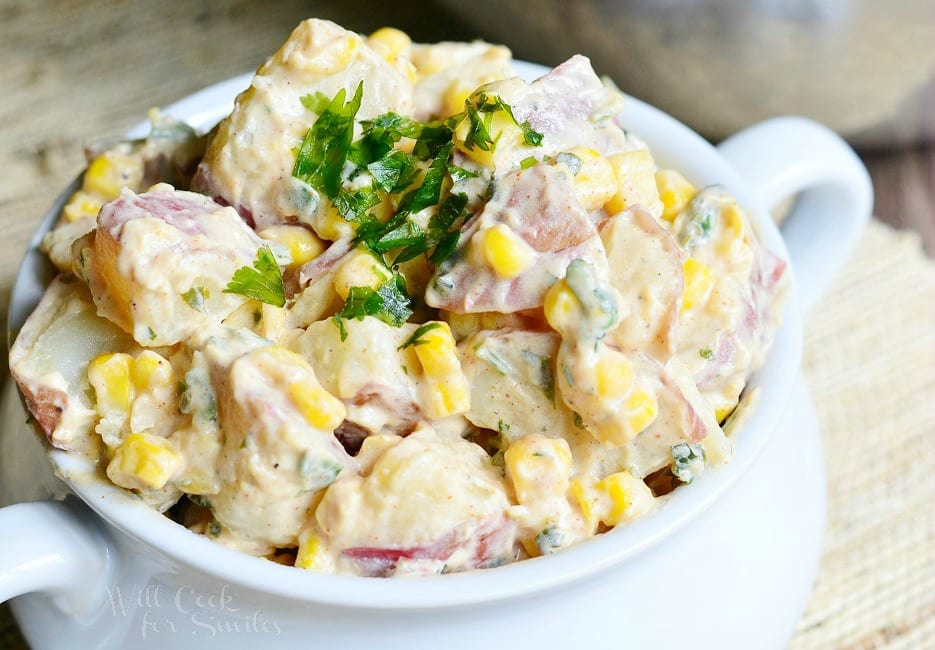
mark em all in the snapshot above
pixel 448 396
pixel 454 97
pixel 636 182
pixel 150 370
pixel 322 409
pixel 502 131
pixel 697 283
pixel 627 497
pixel 360 269
pixel 614 375
pixel 283 357
pixel 330 225
pixel 585 496
pixel 595 181
pixel 109 374
pixel 505 252
pixel 272 322
pixel 642 408
pixel 144 461
pixel 560 305
pixel 732 231
pixel 721 413
pixel 437 352
pixel 302 243
pixel 109 172
pixel 82 205
pixel 390 43
pixel 538 467
pixel 335 58
pixel 311 552
pixel 674 191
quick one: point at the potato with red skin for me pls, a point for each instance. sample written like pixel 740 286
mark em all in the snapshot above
pixel 158 263
pixel 249 160
pixel 49 361
pixel 540 208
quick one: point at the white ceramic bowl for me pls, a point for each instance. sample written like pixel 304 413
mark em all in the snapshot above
pixel 113 573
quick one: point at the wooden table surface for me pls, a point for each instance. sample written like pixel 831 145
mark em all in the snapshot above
pixel 76 72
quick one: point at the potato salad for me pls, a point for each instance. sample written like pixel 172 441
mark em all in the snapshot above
pixel 399 313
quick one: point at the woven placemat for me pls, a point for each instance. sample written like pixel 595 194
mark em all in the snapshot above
pixel 870 363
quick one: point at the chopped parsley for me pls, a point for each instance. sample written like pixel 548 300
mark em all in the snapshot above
pixel 416 338
pixel 317 103
pixel 459 174
pixel 705 353
pixel 389 302
pixel 394 171
pixel 428 193
pixel 543 377
pixel 478 134
pixel 318 472
pixel 320 160
pixel 688 461
pixel 328 157
pixel 549 539
pixel 571 161
pixel 196 298
pixel 440 238
pixel 484 352
pixel 530 136
pixel 262 281
pixel 699 219
pixel 503 427
pixel 354 205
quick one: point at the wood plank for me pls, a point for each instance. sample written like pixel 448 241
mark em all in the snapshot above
pixel 904 190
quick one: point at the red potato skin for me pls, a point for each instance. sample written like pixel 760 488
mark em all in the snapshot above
pixel 46 405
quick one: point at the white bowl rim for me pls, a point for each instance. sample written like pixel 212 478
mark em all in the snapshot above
pixel 673 144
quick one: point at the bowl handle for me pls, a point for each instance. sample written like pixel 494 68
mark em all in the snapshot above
pixel 52 547
pixel 784 156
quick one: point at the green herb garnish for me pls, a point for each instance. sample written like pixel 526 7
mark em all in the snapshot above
pixel 459 174
pixel 320 160
pixel 549 539
pixel 544 378
pixel 196 298
pixel 530 136
pixel 394 171
pixel 706 353
pixel 262 281
pixel 526 163
pixel 317 103
pixel 439 237
pixel 416 338
pixel 390 303
pixel 688 461
pixel 499 364
pixel 571 161
pixel 354 205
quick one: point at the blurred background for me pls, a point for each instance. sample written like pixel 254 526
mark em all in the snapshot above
pixel 74 72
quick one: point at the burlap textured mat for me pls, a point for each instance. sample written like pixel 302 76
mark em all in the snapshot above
pixel 870 363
